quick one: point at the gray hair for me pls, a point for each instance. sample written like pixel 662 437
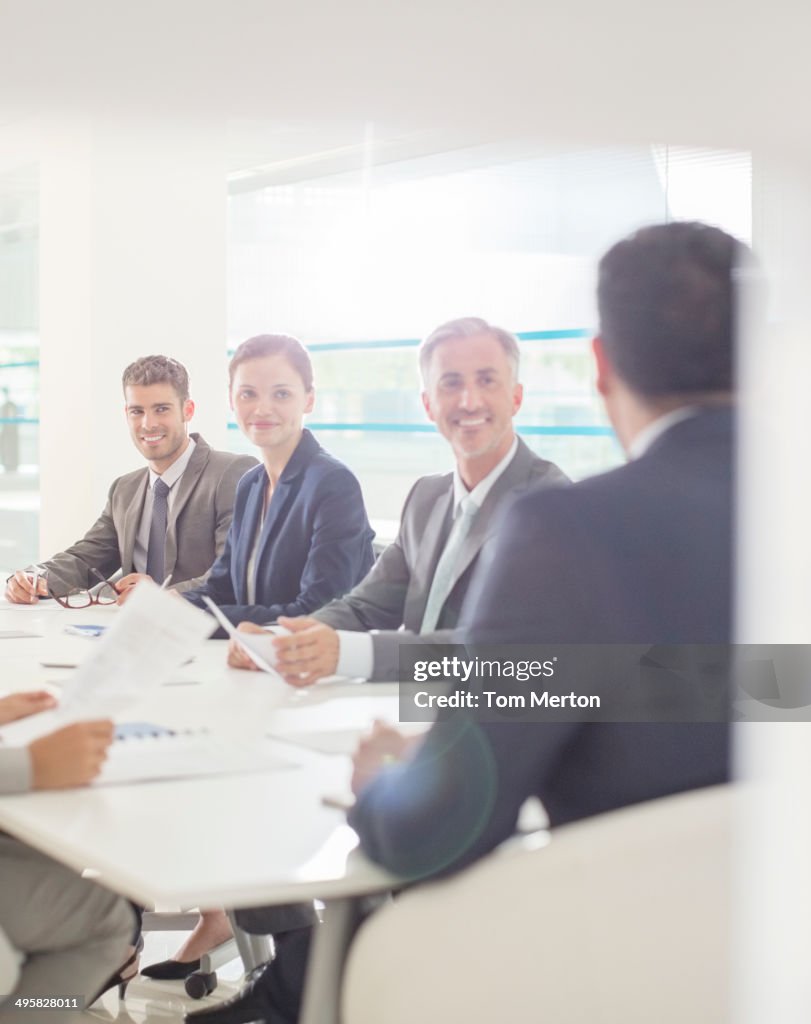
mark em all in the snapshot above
pixel 466 327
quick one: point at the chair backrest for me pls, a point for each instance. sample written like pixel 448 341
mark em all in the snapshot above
pixel 623 917
pixel 9 966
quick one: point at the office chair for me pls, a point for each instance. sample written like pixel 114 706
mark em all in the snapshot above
pixel 622 917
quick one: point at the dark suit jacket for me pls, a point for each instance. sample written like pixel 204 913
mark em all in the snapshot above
pixel 316 541
pixel 641 555
pixel 395 592
pixel 195 534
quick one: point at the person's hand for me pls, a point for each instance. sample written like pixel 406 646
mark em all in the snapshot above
pixel 237 657
pixel 127 584
pixel 309 653
pixel 21 705
pixel 382 746
pixel 20 588
pixel 71 756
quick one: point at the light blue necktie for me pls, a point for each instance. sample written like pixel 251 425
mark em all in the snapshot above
pixel 444 574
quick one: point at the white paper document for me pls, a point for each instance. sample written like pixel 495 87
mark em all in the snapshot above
pixel 339 741
pixel 258 646
pixel 327 741
pixel 185 756
pixel 154 634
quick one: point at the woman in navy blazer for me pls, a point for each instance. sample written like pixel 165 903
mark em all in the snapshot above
pixel 299 537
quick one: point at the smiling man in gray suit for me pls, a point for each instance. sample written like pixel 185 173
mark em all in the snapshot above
pixel 170 519
pixel 416 588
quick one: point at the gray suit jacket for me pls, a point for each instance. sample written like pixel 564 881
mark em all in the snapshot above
pixel 395 591
pixel 195 535
pixel 15 769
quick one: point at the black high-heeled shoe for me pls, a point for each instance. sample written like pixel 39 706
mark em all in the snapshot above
pixel 170 970
pixel 120 978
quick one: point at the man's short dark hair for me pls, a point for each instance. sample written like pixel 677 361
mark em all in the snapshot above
pixel 666 301
pixel 270 345
pixel 158 370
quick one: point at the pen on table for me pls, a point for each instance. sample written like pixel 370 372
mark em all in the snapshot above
pixel 166 582
pixel 338 801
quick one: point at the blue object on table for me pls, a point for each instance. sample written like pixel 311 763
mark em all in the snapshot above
pixel 91 631
pixel 139 730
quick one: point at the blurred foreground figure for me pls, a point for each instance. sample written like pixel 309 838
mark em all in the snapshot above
pixel 70 933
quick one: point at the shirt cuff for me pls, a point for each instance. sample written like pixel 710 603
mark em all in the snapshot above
pixel 355 654
pixel 15 770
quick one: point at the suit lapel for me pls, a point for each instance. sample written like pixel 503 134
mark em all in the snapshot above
pixel 305 452
pixel 435 534
pixel 246 536
pixel 185 489
pixel 512 481
pixel 131 521
pixel 276 509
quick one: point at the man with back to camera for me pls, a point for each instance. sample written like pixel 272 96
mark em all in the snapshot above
pixel 168 521
pixel 416 588
pixel 471 391
pixel 71 933
pixel 639 555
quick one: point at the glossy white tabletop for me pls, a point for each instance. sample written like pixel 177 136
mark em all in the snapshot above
pixel 235 840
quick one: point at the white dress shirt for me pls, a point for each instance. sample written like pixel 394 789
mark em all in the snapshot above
pixel 654 430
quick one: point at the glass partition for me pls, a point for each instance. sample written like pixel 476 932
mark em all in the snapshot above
pixel 360 264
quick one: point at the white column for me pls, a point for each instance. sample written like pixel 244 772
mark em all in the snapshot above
pixel 772 980
pixel 133 218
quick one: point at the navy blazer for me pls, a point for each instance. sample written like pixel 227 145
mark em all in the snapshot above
pixel 316 542
pixel 640 555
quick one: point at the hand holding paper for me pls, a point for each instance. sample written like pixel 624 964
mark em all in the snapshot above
pixel 151 637
pixel 257 643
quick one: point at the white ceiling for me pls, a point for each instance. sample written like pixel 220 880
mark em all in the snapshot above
pixel 707 72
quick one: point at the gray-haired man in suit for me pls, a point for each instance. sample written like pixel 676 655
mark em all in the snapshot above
pixel 416 588
pixel 170 519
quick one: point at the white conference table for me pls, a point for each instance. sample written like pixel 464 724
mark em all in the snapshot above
pixel 235 840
